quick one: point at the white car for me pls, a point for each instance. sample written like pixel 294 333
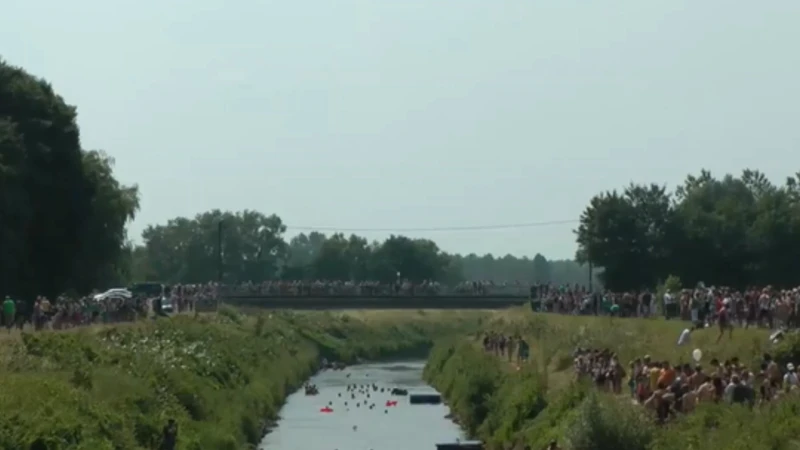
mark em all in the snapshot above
pixel 166 305
pixel 113 293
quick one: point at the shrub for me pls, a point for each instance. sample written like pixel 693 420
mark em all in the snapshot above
pixel 488 400
pixel 604 422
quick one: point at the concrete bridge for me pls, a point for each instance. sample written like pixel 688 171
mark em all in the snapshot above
pixel 376 302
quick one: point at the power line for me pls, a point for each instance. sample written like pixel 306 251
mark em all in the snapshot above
pixel 435 229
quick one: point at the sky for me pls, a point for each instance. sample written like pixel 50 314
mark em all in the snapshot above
pixel 396 115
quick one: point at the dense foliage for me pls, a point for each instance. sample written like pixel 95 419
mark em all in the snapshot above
pixel 221 377
pixel 733 231
pixel 253 248
pixel 62 212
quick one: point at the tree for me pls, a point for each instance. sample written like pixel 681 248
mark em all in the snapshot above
pixel 510 269
pixel 713 240
pixel 101 259
pixel 611 235
pixel 303 249
pixel 63 214
pixel 733 231
pixel 414 259
pixel 541 269
pixel 186 250
pixel 334 260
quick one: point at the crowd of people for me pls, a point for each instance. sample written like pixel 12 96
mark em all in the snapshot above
pixel 767 307
pixel 64 312
pixel 191 297
pixel 374 288
pixel 514 347
pixel 669 389
pixel 750 306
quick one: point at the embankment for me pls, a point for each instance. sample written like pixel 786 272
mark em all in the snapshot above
pixel 221 377
pixel 540 402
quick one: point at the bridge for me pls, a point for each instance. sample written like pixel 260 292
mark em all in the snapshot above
pixel 376 302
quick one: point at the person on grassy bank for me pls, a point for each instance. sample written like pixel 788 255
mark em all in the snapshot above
pixel 9 313
pixel 169 435
pixel 676 387
pixel 507 346
pixel 763 307
pixel 671 389
pixel 686 335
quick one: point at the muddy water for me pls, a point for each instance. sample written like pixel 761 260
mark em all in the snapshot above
pixel 350 427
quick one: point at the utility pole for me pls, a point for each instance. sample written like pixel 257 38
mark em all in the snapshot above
pixel 219 252
pixel 589 257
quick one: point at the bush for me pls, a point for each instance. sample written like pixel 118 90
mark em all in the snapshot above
pixel 488 400
pixel 604 422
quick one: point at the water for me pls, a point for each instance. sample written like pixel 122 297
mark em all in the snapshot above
pixel 403 427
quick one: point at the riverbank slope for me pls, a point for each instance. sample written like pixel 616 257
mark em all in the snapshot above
pixel 540 401
pixel 219 376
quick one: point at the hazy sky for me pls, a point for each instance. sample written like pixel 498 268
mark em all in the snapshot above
pixel 416 114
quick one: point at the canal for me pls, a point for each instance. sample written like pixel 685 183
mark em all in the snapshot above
pixel 354 423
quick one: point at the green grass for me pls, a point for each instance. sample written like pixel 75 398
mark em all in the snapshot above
pixel 222 377
pixel 542 401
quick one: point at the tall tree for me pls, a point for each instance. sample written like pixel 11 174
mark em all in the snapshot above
pixel 611 235
pixel 62 213
pixel 101 260
pixel 542 272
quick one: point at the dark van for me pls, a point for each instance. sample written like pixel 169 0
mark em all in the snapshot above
pixel 148 289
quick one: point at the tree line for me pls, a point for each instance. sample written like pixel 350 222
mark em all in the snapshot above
pixel 251 246
pixel 63 215
pixel 732 231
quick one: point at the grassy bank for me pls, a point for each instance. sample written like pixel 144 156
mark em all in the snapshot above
pixel 219 376
pixel 540 402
